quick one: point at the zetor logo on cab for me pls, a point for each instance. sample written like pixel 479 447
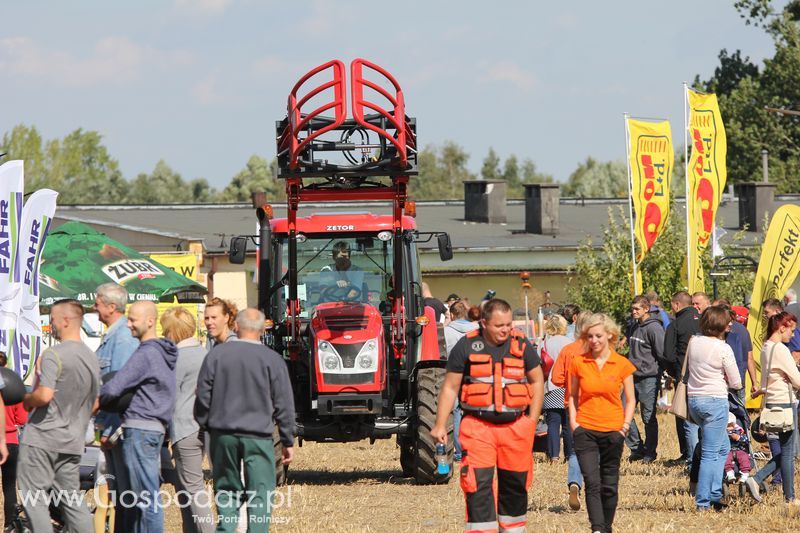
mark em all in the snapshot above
pixel 346 227
pixel 128 269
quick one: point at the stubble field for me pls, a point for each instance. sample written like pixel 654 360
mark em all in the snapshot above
pixel 357 487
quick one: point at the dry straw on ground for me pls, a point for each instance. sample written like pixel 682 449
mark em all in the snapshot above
pixel 357 488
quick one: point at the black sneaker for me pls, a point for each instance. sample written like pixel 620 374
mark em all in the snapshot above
pixel 648 460
pixel 635 456
pixel 718 506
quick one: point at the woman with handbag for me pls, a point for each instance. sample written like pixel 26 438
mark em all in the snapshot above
pixel 780 406
pixel 712 370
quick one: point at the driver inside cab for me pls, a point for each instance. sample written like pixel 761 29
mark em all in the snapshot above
pixel 340 268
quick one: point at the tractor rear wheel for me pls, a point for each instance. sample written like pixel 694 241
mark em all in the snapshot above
pixel 429 383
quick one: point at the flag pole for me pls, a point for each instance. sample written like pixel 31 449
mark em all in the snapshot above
pixel 686 138
pixel 630 200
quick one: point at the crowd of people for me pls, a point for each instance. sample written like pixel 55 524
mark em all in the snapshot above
pixel 589 395
pixel 227 400
pixel 221 400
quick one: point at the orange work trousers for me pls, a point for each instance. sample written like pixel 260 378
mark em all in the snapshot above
pixel 509 448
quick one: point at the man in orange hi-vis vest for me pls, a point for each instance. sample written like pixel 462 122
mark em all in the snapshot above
pixel 497 375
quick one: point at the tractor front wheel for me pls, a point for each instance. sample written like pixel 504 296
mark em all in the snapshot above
pixel 429 383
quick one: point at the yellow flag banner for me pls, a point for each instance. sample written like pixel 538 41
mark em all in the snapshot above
pixel 186 265
pixel 706 175
pixel 651 162
pixel 777 269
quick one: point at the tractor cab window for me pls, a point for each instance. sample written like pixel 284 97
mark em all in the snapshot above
pixel 340 269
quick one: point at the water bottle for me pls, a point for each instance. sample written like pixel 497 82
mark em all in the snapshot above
pixel 442 466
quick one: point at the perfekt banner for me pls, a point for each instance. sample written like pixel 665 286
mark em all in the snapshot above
pixel 12 183
pixel 651 161
pixel 706 175
pixel 777 269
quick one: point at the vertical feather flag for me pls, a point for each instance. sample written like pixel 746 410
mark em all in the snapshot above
pixel 706 174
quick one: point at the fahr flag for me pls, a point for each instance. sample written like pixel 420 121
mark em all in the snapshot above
pixel 777 269
pixel 11 188
pixel 706 175
pixel 651 161
pixel 36 218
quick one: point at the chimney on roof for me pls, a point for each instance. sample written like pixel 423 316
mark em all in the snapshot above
pixel 756 199
pixel 485 201
pixel 541 208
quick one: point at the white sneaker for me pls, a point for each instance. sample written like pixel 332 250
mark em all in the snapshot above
pixel 752 488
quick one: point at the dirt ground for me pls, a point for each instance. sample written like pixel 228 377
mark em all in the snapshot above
pixel 357 488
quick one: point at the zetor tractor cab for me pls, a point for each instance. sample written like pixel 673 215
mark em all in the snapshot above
pixel 342 291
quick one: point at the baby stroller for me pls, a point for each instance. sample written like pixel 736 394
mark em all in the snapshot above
pixel 737 408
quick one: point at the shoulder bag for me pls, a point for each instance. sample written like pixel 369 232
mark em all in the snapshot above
pixel 680 401
pixel 775 418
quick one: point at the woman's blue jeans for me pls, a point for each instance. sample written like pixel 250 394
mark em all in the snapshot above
pixel 711 414
pixel 783 461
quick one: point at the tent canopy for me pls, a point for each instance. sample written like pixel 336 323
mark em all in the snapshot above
pixel 77 259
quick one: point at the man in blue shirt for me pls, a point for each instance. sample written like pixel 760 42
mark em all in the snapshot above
pixel 738 338
pixel 114 351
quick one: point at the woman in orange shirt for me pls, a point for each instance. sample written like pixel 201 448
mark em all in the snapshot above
pixel 597 416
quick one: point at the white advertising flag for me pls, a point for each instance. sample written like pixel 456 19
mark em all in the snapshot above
pixel 12 182
pixel 36 218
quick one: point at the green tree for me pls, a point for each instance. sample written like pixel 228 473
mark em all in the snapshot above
pixel 601 279
pixel 442 172
pixel 25 142
pixel 745 90
pixel 490 170
pixel 595 179
pixel 258 176
pixel 80 168
pixel 163 185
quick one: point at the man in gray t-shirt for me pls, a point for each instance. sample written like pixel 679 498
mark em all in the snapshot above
pixel 68 378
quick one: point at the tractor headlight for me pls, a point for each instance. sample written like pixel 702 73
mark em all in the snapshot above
pixel 328 358
pixel 368 356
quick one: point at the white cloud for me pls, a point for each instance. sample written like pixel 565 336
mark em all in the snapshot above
pixel 113 60
pixel 207 91
pixel 509 72
pixel 203 7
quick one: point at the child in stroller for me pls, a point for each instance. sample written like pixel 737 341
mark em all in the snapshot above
pixel 738 460
pixel 742 462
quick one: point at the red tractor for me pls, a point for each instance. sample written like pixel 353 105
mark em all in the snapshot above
pixel 342 292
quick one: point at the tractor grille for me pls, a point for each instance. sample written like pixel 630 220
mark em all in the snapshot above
pixel 348 379
pixel 348 353
pixel 346 323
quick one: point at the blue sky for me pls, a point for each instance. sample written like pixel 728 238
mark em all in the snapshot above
pixel 200 83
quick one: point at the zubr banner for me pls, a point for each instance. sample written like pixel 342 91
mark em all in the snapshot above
pixel 706 175
pixel 12 182
pixel 36 218
pixel 777 269
pixel 651 162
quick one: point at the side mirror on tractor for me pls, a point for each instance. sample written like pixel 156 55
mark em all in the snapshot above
pixel 445 247
pixel 238 251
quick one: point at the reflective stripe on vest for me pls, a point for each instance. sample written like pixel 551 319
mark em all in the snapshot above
pixel 497 386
